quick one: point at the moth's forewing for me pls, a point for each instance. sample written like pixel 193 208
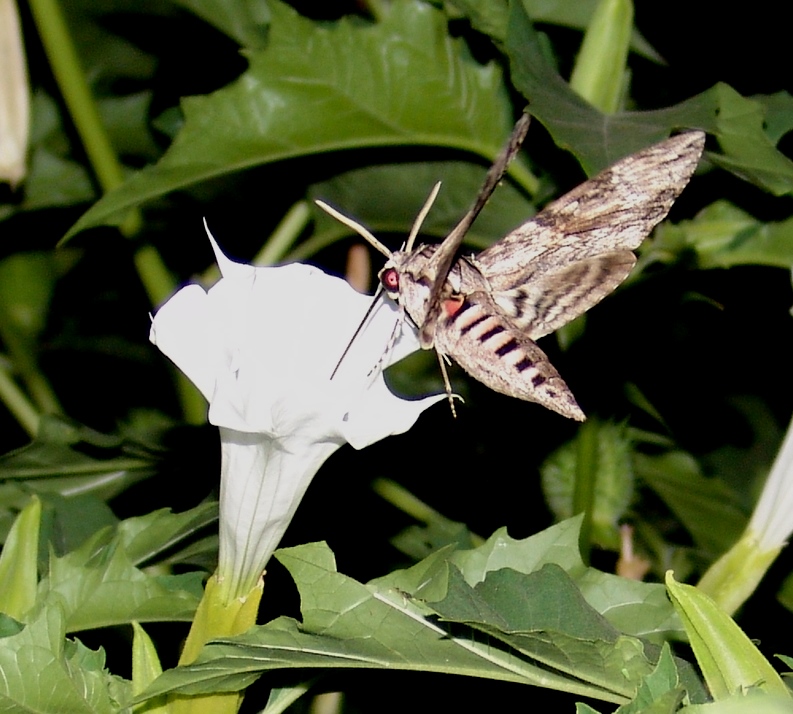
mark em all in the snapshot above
pixel 485 311
pixel 595 225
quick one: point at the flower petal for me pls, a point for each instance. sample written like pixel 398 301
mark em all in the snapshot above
pixel 264 347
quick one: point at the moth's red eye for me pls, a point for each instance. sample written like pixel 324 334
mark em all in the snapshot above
pixel 390 279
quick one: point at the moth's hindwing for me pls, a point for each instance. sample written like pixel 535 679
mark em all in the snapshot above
pixel 491 349
pixel 538 304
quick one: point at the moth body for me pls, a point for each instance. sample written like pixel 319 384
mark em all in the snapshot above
pixel 475 332
pixel 486 311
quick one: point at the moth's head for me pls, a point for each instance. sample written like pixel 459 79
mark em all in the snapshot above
pixel 389 280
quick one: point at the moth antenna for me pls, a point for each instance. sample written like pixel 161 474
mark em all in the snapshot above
pixel 357 227
pixel 357 331
pixel 414 231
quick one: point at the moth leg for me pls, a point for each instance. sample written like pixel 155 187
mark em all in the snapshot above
pixel 442 360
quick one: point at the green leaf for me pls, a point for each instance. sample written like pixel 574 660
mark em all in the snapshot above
pixel 705 506
pixel 599 139
pixel 146 667
pixel 581 708
pixel 787 660
pixel 19 562
pixel 387 623
pixel 595 138
pixel 660 692
pixel 614 481
pixel 69 521
pixel 318 88
pixel 68 458
pixel 351 625
pixel 146 536
pixel 26 284
pixel 543 616
pixel 722 235
pixel 43 672
pixel 60 448
pixel 491 17
pixel 752 702
pixel 632 607
pixel 729 661
pixel 27 281
pixel 419 542
pixel 748 151
pixel 387 198
pixel 246 21
pixel 99 586
pixel 126 120
pixel 282 697
pixel 778 114
pixel 54 177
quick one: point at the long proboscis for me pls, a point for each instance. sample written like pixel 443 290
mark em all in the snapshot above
pixel 441 262
pixel 444 257
pixel 357 331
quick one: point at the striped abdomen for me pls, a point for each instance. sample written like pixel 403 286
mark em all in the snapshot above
pixel 485 344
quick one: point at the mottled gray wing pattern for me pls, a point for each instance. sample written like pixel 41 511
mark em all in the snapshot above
pixel 578 248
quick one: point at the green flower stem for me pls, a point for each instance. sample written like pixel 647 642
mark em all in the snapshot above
pixel 585 481
pixel 156 278
pixel 71 79
pixel 159 286
pixel 84 112
pixel 600 72
pixel 285 234
pixel 406 502
pixel 735 576
pixel 41 391
pixel 217 616
pixel 72 82
pixel 18 404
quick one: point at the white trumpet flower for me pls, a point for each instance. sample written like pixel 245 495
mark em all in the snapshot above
pixel 261 346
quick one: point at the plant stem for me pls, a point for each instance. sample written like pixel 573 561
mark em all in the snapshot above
pixel 285 234
pixel 600 72
pixel 585 480
pixel 72 82
pixel 18 404
pixel 62 54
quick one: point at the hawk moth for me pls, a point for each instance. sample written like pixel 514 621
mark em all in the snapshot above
pixel 485 311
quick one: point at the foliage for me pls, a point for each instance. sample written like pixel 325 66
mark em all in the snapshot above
pixel 245 112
